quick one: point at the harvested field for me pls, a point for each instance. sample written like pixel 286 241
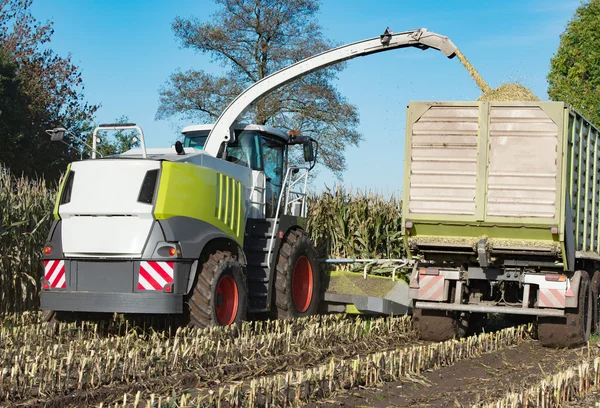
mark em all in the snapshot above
pixel 325 361
pixel 474 382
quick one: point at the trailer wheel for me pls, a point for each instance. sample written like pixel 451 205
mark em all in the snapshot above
pixel 434 325
pixel 219 297
pixel 297 281
pixel 574 329
pixel 596 302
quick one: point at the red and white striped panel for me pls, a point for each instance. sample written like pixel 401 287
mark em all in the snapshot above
pixel 431 288
pixel 551 298
pixel 155 275
pixel 54 273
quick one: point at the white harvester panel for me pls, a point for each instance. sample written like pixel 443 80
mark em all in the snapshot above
pixel 523 163
pixel 443 161
pixel 104 216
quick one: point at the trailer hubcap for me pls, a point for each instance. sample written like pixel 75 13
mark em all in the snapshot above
pixel 302 284
pixel 227 300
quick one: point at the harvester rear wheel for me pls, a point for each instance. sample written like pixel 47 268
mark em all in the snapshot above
pixel 219 297
pixel 435 325
pixel 297 281
pixel 574 329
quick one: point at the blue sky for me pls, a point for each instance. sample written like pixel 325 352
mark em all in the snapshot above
pixel 126 51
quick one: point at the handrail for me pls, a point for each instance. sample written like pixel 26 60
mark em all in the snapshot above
pixel 285 190
pixel 119 126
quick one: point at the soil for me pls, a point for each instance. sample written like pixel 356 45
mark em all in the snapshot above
pixel 591 400
pixel 483 379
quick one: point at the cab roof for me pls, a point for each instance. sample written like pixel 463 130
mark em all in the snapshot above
pixel 241 126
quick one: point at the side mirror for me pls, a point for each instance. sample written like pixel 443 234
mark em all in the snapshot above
pixel 56 135
pixel 309 151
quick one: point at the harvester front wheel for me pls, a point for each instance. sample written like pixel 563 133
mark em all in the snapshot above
pixel 219 297
pixel 574 329
pixel 297 281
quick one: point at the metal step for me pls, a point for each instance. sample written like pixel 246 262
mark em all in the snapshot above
pixel 257 258
pixel 260 228
pixel 256 244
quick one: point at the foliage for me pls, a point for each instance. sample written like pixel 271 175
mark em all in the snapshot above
pixel 343 224
pixel 254 38
pixel 574 75
pixel 47 91
pixel 25 219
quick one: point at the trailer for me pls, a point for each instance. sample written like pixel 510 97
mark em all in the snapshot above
pixel 501 210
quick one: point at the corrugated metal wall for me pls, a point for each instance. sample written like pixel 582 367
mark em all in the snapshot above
pixel 444 161
pixel 522 163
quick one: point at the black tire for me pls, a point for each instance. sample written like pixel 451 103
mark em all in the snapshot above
pixel 48 316
pixel 575 328
pixel 208 301
pixel 297 263
pixel 435 325
pixel 596 302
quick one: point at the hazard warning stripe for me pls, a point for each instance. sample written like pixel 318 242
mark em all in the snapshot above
pixel 431 288
pixel 55 274
pixel 554 298
pixel 155 275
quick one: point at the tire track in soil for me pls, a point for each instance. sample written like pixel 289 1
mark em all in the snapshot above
pixel 482 379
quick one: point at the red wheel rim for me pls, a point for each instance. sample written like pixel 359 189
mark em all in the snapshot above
pixel 227 300
pixel 302 284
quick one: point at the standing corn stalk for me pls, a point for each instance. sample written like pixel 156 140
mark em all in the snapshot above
pixel 25 218
pixel 344 224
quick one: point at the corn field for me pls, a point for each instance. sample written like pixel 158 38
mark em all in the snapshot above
pixel 341 223
pixel 25 219
pixel 346 224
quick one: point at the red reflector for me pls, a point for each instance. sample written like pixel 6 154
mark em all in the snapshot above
pixel 47 250
pixel 429 271
pixel 46 286
pixel 280 234
pixel 168 288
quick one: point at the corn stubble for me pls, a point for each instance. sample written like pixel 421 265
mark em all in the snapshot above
pixel 35 363
pixel 299 387
pixel 555 390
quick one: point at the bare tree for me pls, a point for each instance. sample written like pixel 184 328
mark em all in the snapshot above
pixel 252 39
